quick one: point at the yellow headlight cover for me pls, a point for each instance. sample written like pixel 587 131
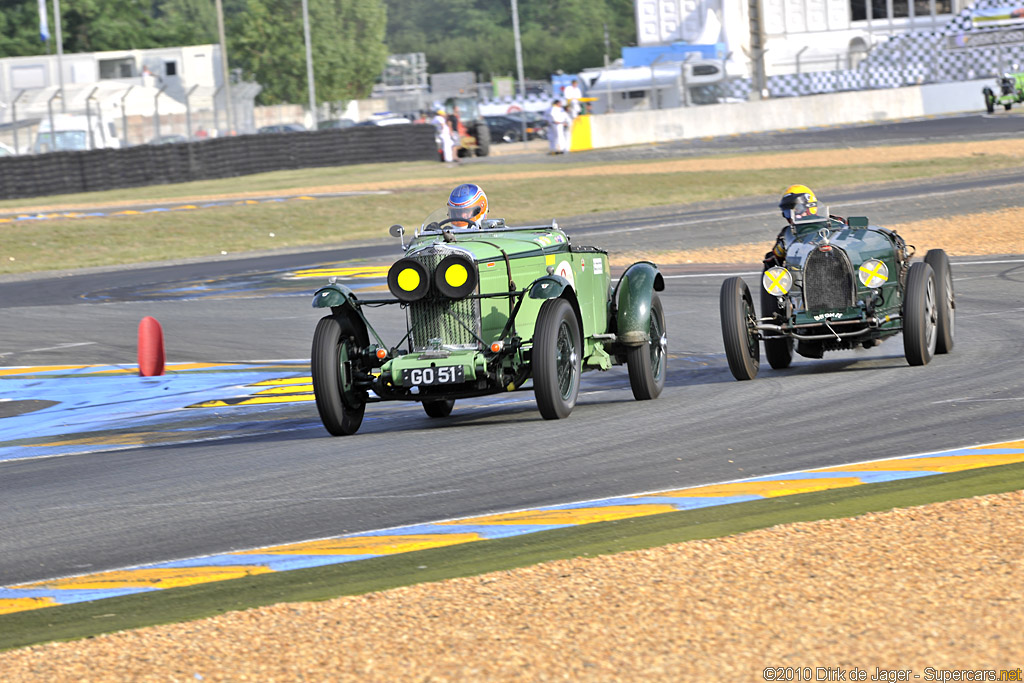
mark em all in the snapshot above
pixel 408 279
pixel 873 273
pixel 456 275
pixel 777 281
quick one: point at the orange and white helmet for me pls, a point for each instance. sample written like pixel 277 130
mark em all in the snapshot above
pixel 467 201
pixel 798 202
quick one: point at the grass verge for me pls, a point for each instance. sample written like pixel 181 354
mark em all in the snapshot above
pixel 186 604
pixel 521 193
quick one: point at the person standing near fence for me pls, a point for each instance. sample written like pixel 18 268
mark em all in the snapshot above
pixel 558 124
pixel 443 134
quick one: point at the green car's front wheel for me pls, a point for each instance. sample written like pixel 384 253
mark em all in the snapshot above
pixel 920 315
pixel 338 400
pixel 557 359
pixel 646 363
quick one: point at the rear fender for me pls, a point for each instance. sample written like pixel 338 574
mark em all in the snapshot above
pixel 633 296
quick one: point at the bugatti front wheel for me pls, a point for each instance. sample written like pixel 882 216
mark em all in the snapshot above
pixel 739 328
pixel 333 365
pixel 945 299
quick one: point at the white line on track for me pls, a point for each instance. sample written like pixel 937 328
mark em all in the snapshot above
pixel 49 348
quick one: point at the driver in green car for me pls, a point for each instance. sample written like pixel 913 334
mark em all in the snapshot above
pixel 467 201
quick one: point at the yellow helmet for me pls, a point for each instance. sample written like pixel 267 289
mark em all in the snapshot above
pixel 798 201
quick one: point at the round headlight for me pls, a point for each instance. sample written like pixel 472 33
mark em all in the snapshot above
pixel 455 277
pixel 408 280
pixel 777 281
pixel 873 273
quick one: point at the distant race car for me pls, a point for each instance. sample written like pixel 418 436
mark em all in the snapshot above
pixel 841 284
pixel 1011 92
pixel 488 307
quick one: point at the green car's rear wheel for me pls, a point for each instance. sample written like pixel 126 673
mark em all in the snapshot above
pixel 338 400
pixel 557 359
pixel 739 328
pixel 646 363
pixel 920 315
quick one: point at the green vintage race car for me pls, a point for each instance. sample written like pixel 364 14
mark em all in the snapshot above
pixel 842 284
pixel 487 308
pixel 1011 92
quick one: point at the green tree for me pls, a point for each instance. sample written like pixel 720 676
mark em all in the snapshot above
pixel 347 40
pixel 98 25
pixel 185 22
pixel 476 35
pixel 19 29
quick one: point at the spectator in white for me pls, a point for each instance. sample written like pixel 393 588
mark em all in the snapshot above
pixel 572 94
pixel 443 134
pixel 558 124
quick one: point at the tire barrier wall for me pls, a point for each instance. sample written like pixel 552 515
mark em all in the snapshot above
pixel 107 169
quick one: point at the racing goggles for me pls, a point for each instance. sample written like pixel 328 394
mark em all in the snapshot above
pixel 796 206
pixel 463 213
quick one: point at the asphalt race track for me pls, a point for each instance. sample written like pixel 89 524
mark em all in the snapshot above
pixel 84 498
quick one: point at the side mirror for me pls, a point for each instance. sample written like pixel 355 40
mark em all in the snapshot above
pixel 397 230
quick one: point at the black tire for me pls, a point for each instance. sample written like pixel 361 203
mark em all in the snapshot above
pixel 557 359
pixel 779 352
pixel 1007 106
pixel 339 403
pixel 945 299
pixel 990 101
pixel 483 139
pixel 920 315
pixel 738 331
pixel 439 407
pixel 647 362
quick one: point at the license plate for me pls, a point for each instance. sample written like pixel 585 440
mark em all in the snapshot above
pixel 444 374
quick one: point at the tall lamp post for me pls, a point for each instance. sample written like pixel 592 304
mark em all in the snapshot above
pixel 519 62
pixel 309 61
pixel 224 66
pixel 60 53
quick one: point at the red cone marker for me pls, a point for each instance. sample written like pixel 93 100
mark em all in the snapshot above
pixel 151 347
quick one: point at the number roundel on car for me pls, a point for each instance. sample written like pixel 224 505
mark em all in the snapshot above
pixel 455 277
pixel 777 281
pixel 408 280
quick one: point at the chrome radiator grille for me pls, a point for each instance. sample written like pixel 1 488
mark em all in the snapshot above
pixel 828 280
pixel 434 317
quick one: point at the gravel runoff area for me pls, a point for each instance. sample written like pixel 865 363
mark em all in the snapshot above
pixel 934 588
pixel 927 593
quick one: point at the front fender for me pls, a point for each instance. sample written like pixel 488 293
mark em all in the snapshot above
pixel 333 295
pixel 633 296
pixel 548 287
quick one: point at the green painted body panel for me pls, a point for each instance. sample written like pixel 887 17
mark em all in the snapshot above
pixel 635 292
pixel 333 295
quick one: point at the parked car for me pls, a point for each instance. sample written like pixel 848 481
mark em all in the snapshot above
pixel 335 123
pixel 509 127
pixel 387 119
pixel 168 139
pixel 282 128
pixel 841 284
pixel 488 307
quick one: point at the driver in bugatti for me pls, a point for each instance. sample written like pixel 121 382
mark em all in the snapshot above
pixel 799 205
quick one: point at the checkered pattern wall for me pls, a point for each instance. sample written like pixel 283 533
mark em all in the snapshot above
pixel 908 59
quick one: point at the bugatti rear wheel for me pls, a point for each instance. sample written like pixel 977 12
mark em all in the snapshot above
pixel 778 351
pixel 945 300
pixel 920 315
